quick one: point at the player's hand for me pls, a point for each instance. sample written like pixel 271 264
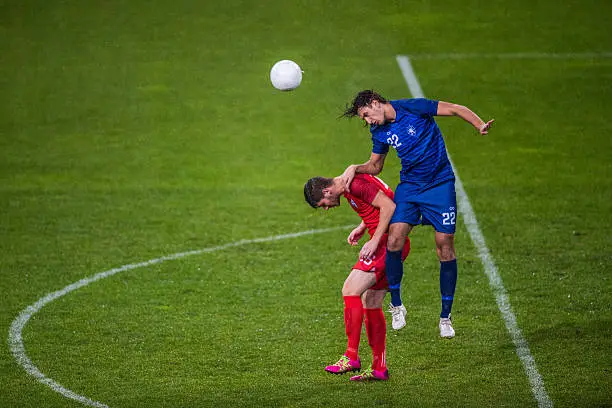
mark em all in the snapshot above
pixel 368 250
pixel 355 236
pixel 484 129
pixel 348 176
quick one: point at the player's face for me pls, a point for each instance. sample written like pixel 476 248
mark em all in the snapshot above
pixel 373 114
pixel 329 200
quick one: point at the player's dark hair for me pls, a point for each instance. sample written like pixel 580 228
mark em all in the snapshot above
pixel 363 99
pixel 313 190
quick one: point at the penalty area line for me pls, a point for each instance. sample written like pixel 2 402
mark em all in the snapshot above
pixel 495 281
pixel 15 337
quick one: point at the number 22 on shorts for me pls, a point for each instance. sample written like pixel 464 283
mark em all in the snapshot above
pixel 448 218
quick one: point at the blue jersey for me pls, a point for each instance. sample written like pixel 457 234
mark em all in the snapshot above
pixel 418 142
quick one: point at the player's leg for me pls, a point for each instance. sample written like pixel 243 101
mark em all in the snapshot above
pixel 376 327
pixel 394 269
pixel 376 330
pixel 394 266
pixel 405 216
pixel 356 283
pixel 445 248
pixel 439 208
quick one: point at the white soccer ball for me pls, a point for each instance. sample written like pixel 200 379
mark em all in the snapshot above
pixel 286 75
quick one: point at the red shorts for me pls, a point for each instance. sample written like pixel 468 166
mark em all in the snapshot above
pixel 377 263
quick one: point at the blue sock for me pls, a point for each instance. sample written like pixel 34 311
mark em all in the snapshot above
pixel 395 271
pixel 448 282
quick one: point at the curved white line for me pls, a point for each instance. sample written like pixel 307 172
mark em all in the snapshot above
pixel 15 339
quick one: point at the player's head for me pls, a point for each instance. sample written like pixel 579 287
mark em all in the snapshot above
pixel 322 192
pixel 369 106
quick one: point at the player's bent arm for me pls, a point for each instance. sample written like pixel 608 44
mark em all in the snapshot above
pixel 356 234
pixel 452 109
pixel 373 166
pixel 387 208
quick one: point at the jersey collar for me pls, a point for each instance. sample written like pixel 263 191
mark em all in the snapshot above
pixel 399 113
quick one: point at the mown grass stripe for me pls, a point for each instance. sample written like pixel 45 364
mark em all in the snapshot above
pixel 514 55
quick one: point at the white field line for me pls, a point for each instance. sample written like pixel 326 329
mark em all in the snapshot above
pixel 495 281
pixel 515 55
pixel 15 339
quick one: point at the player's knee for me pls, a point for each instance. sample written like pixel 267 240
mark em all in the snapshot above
pixel 373 299
pixel 445 252
pixel 395 242
pixel 445 246
pixel 348 290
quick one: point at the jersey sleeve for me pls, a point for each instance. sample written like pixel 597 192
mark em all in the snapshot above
pixel 419 106
pixel 378 147
pixel 364 190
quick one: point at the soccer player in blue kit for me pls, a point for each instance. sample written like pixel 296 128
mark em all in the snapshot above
pixel 426 193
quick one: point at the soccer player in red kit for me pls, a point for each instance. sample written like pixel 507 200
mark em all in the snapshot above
pixel 366 286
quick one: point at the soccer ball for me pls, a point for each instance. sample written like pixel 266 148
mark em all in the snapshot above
pixel 286 75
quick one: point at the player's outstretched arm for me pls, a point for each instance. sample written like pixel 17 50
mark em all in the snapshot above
pixel 452 109
pixel 386 207
pixel 372 166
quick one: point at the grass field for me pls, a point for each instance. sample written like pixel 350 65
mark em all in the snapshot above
pixel 133 130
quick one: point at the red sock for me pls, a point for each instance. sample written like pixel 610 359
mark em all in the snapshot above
pixel 353 319
pixel 376 328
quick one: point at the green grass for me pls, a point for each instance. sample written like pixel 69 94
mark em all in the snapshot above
pixel 134 130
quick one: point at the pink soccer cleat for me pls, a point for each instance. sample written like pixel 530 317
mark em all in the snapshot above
pixel 344 365
pixel 372 375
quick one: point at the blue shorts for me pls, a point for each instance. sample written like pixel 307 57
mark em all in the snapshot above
pixel 435 206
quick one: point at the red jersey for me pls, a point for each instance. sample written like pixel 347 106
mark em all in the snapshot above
pixel 364 188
